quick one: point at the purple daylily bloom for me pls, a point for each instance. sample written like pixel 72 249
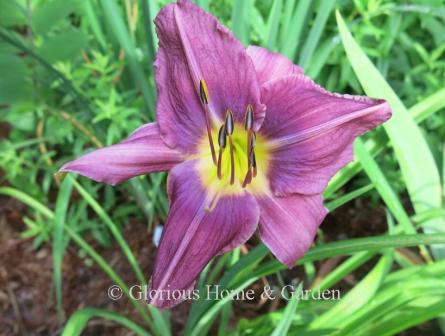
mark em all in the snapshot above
pixel 249 141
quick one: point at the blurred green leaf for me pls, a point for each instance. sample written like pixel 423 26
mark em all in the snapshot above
pixel 63 46
pixel 14 86
pixel 49 13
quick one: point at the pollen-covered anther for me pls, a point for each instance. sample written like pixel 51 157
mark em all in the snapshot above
pixel 205 99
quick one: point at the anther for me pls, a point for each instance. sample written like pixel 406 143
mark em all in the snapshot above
pixel 229 122
pixel 203 92
pixel 248 120
pixel 222 137
pixel 205 99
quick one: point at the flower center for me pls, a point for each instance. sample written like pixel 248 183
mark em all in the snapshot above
pixel 240 161
pixel 235 170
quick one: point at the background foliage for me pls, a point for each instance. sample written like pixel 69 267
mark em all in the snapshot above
pixel 77 75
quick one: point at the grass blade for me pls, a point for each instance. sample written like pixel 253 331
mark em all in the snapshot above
pixel 94 23
pixel 290 39
pixel 113 229
pixel 62 203
pixel 149 11
pixel 241 20
pixel 339 201
pixel 429 105
pixel 246 271
pixel 286 320
pixel 324 10
pixel 110 272
pixel 357 297
pixel 272 24
pixel 118 27
pixel 28 200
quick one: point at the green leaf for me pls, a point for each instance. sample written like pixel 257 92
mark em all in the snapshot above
pixel 63 46
pixel 14 86
pixel 117 25
pixel 416 162
pixel 12 13
pixel 79 319
pixel 50 13
pixel 15 41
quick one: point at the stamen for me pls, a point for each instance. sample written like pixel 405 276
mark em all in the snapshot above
pixel 229 130
pixel 204 95
pixel 222 139
pixel 248 178
pixel 254 164
pixel 251 168
pixel 253 140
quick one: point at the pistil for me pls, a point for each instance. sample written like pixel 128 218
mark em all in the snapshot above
pixel 251 141
pixel 248 123
pixel 205 99
pixel 229 125
pixel 222 139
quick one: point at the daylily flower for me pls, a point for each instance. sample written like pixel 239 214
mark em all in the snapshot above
pixel 249 142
